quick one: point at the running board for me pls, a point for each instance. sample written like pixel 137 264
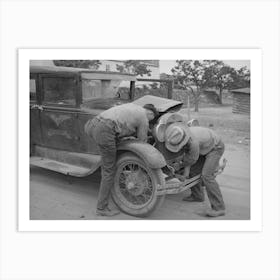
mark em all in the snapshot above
pixel 61 167
pixel 69 163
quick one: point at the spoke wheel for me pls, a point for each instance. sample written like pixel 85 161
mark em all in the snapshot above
pixel 135 186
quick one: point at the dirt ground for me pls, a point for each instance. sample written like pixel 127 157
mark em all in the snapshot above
pixel 54 196
pixel 233 128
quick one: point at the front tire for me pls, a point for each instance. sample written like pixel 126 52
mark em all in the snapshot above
pixel 135 186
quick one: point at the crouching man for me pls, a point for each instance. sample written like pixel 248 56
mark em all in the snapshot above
pixel 107 129
pixel 202 154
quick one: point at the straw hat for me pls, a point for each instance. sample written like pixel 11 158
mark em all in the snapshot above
pixel 176 136
pixel 163 123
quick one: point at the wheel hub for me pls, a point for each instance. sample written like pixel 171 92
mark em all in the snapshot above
pixel 135 183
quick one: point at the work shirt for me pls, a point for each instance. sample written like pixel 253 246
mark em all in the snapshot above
pixel 130 119
pixel 202 141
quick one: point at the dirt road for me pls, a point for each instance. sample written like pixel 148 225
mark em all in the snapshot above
pixel 54 196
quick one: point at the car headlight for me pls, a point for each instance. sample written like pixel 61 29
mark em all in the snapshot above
pixel 159 132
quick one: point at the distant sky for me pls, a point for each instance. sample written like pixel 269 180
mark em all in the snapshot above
pixel 167 65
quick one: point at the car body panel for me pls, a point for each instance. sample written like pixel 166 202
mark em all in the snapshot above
pixel 62 129
pixel 162 104
pixel 58 140
pixel 151 156
pixel 89 163
pixel 85 73
pixel 35 125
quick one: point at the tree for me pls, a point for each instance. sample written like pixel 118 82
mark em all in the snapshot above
pixel 222 76
pixel 218 75
pixel 242 78
pixel 188 73
pixel 91 64
pixel 136 67
pixel 154 86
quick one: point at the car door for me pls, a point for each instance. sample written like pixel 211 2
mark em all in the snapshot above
pixel 59 111
pixel 88 88
pixel 35 111
pixel 96 95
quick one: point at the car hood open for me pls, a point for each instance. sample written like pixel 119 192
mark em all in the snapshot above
pixel 162 104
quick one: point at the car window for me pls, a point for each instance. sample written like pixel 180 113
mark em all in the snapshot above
pixel 102 94
pixel 59 90
pixel 91 89
pixel 96 89
pixel 32 89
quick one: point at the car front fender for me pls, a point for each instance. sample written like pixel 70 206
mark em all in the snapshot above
pixel 149 154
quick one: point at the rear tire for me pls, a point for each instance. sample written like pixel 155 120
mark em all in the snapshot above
pixel 135 186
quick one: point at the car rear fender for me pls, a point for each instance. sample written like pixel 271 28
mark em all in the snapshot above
pixel 149 154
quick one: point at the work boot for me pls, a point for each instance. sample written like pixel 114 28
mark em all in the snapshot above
pixel 191 198
pixel 215 213
pixel 107 212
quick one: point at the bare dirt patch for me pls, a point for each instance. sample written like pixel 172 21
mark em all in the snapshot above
pixel 233 128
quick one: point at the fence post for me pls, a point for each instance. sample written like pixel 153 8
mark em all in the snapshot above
pixel 170 89
pixel 132 90
pixel 189 107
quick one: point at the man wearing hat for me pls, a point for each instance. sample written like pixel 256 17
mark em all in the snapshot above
pixel 107 129
pixel 203 149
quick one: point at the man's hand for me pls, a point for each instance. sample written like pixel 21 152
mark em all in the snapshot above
pixel 221 167
pixel 187 172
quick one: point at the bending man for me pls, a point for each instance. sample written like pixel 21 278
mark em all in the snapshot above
pixel 203 149
pixel 107 129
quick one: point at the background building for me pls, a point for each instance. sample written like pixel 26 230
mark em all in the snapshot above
pixel 241 101
pixel 111 65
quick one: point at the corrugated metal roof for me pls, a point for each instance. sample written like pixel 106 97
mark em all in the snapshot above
pixel 241 90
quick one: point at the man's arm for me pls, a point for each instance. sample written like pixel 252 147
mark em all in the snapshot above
pixel 187 171
pixel 191 152
pixel 191 156
pixel 142 130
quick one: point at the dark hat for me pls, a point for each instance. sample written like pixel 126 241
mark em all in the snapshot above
pixel 152 108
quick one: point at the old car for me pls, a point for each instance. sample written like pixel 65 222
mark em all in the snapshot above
pixel 63 99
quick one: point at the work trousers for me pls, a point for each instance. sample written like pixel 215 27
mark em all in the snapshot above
pixel 207 165
pixel 104 133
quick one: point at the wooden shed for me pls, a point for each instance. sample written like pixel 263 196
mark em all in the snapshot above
pixel 241 101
